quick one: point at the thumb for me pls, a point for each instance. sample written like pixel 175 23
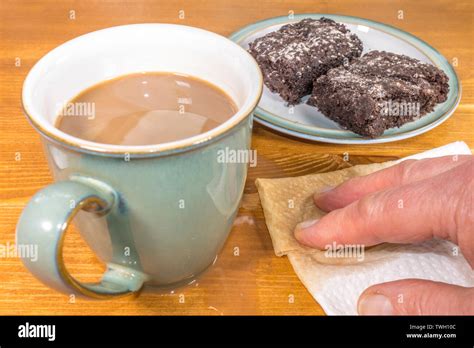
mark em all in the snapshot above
pixel 416 297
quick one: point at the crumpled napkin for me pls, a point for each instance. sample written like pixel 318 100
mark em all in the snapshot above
pixel 336 283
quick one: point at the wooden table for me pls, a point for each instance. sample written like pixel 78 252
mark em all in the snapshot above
pixel 255 281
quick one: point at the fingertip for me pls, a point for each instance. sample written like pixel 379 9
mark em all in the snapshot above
pixel 325 190
pixel 306 233
pixel 332 198
pixel 376 300
pixel 416 297
pixel 323 200
pixel 373 303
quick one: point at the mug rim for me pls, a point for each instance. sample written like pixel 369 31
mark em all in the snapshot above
pixel 55 134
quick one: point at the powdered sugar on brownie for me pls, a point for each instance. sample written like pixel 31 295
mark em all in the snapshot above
pixel 378 91
pixel 296 54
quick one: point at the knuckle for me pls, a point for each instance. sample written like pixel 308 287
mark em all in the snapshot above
pixel 458 216
pixel 418 299
pixel 366 213
pixel 423 303
pixel 404 171
pixel 365 208
pixel 463 205
pixel 464 214
pixel 379 204
pixel 377 210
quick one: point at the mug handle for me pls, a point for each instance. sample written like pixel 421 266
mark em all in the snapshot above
pixel 43 224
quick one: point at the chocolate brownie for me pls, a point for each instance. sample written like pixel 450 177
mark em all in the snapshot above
pixel 292 57
pixel 378 91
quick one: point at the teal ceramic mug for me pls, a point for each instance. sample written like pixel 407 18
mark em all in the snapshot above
pixel 157 215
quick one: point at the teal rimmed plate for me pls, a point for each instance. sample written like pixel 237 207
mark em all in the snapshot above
pixel 307 122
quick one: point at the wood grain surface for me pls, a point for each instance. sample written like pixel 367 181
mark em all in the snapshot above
pixel 255 281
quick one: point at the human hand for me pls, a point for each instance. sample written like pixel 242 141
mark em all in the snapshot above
pixel 437 196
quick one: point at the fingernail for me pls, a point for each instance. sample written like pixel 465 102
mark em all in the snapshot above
pixel 325 189
pixel 306 224
pixel 375 304
pixel 299 229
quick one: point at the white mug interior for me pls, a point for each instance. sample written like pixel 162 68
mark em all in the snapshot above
pixel 105 54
